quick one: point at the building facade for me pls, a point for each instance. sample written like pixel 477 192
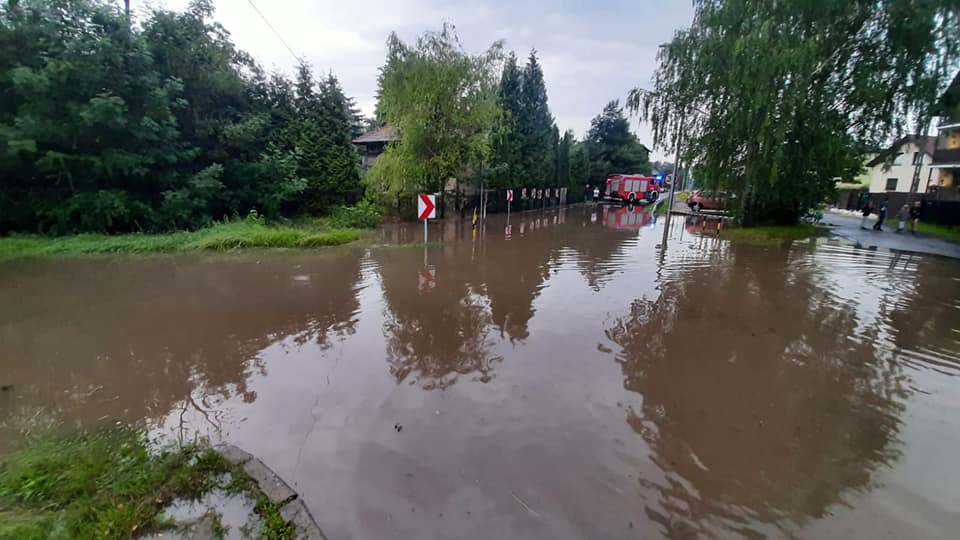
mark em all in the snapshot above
pixel 946 156
pixel 892 171
pixel 374 143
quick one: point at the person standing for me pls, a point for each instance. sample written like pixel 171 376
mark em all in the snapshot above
pixel 596 195
pixel 867 210
pixel 881 216
pixel 902 216
pixel 914 217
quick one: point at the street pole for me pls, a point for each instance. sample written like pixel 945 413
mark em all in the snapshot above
pixel 676 177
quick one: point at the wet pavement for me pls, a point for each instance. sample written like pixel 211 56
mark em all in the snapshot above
pixel 560 376
pixel 848 228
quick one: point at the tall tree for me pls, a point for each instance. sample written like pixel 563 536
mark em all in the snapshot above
pixel 579 167
pixel 319 140
pixel 535 126
pixel 506 163
pixel 777 98
pixel 358 122
pixel 108 126
pixel 443 102
pixel 563 160
pixel 554 156
pixel 612 147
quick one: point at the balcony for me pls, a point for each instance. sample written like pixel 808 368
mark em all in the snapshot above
pixel 946 155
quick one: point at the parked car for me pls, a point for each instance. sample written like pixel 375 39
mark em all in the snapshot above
pixel 707 201
pixel 632 188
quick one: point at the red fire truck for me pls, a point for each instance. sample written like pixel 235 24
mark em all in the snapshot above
pixel 632 188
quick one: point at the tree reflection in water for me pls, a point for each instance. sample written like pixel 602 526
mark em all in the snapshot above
pixel 483 288
pixel 439 330
pixel 144 338
pixel 755 401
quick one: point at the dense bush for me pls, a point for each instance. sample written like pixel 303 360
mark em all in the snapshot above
pixel 109 125
pixel 364 215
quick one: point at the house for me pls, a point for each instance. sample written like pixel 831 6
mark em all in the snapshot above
pixel 891 172
pixel 373 143
pixel 946 155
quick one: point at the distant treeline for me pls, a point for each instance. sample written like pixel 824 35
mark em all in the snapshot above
pixel 484 119
pixel 112 125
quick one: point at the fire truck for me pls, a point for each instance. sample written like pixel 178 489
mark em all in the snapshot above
pixel 632 188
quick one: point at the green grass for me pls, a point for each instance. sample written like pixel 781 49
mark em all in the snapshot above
pixel 113 485
pixel 238 234
pixel 947 233
pixel 772 235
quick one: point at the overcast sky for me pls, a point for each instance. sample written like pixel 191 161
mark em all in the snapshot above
pixel 591 52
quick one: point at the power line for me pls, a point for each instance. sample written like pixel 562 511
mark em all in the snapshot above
pixel 280 37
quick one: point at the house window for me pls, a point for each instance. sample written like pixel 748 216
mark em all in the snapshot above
pixel 891 184
pixel 917 158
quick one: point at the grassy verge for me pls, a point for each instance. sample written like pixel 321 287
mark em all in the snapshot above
pixel 248 233
pixel 774 235
pixel 947 233
pixel 113 485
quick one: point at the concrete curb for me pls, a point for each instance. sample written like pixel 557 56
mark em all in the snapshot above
pixel 274 488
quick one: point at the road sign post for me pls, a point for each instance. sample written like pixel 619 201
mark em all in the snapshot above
pixel 426 210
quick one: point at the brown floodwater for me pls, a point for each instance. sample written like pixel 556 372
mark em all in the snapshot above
pixel 558 377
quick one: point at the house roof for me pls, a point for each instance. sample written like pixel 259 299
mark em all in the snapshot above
pixel 926 143
pixel 381 134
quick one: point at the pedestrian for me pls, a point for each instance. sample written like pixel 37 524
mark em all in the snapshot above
pixel 914 217
pixel 881 216
pixel 902 216
pixel 867 210
pixel 596 195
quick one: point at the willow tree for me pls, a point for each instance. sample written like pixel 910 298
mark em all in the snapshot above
pixel 774 99
pixel 442 101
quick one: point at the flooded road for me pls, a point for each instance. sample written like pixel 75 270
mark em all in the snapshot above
pixel 557 377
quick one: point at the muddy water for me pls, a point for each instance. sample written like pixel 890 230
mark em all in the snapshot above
pixel 562 377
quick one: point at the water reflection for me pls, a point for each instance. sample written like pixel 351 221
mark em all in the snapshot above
pixel 128 339
pixel 560 358
pixel 436 330
pixel 757 404
pixel 447 309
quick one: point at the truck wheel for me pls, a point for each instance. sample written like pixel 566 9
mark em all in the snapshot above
pixel 652 196
pixel 697 207
pixel 633 198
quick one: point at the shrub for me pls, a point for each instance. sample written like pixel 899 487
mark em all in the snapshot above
pixel 364 215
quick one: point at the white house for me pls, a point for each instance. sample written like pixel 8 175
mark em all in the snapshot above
pixel 888 178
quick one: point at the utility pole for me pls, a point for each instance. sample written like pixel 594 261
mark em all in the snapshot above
pixel 126 5
pixel 676 177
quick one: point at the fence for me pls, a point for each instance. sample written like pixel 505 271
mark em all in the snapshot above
pixel 945 213
pixel 458 203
